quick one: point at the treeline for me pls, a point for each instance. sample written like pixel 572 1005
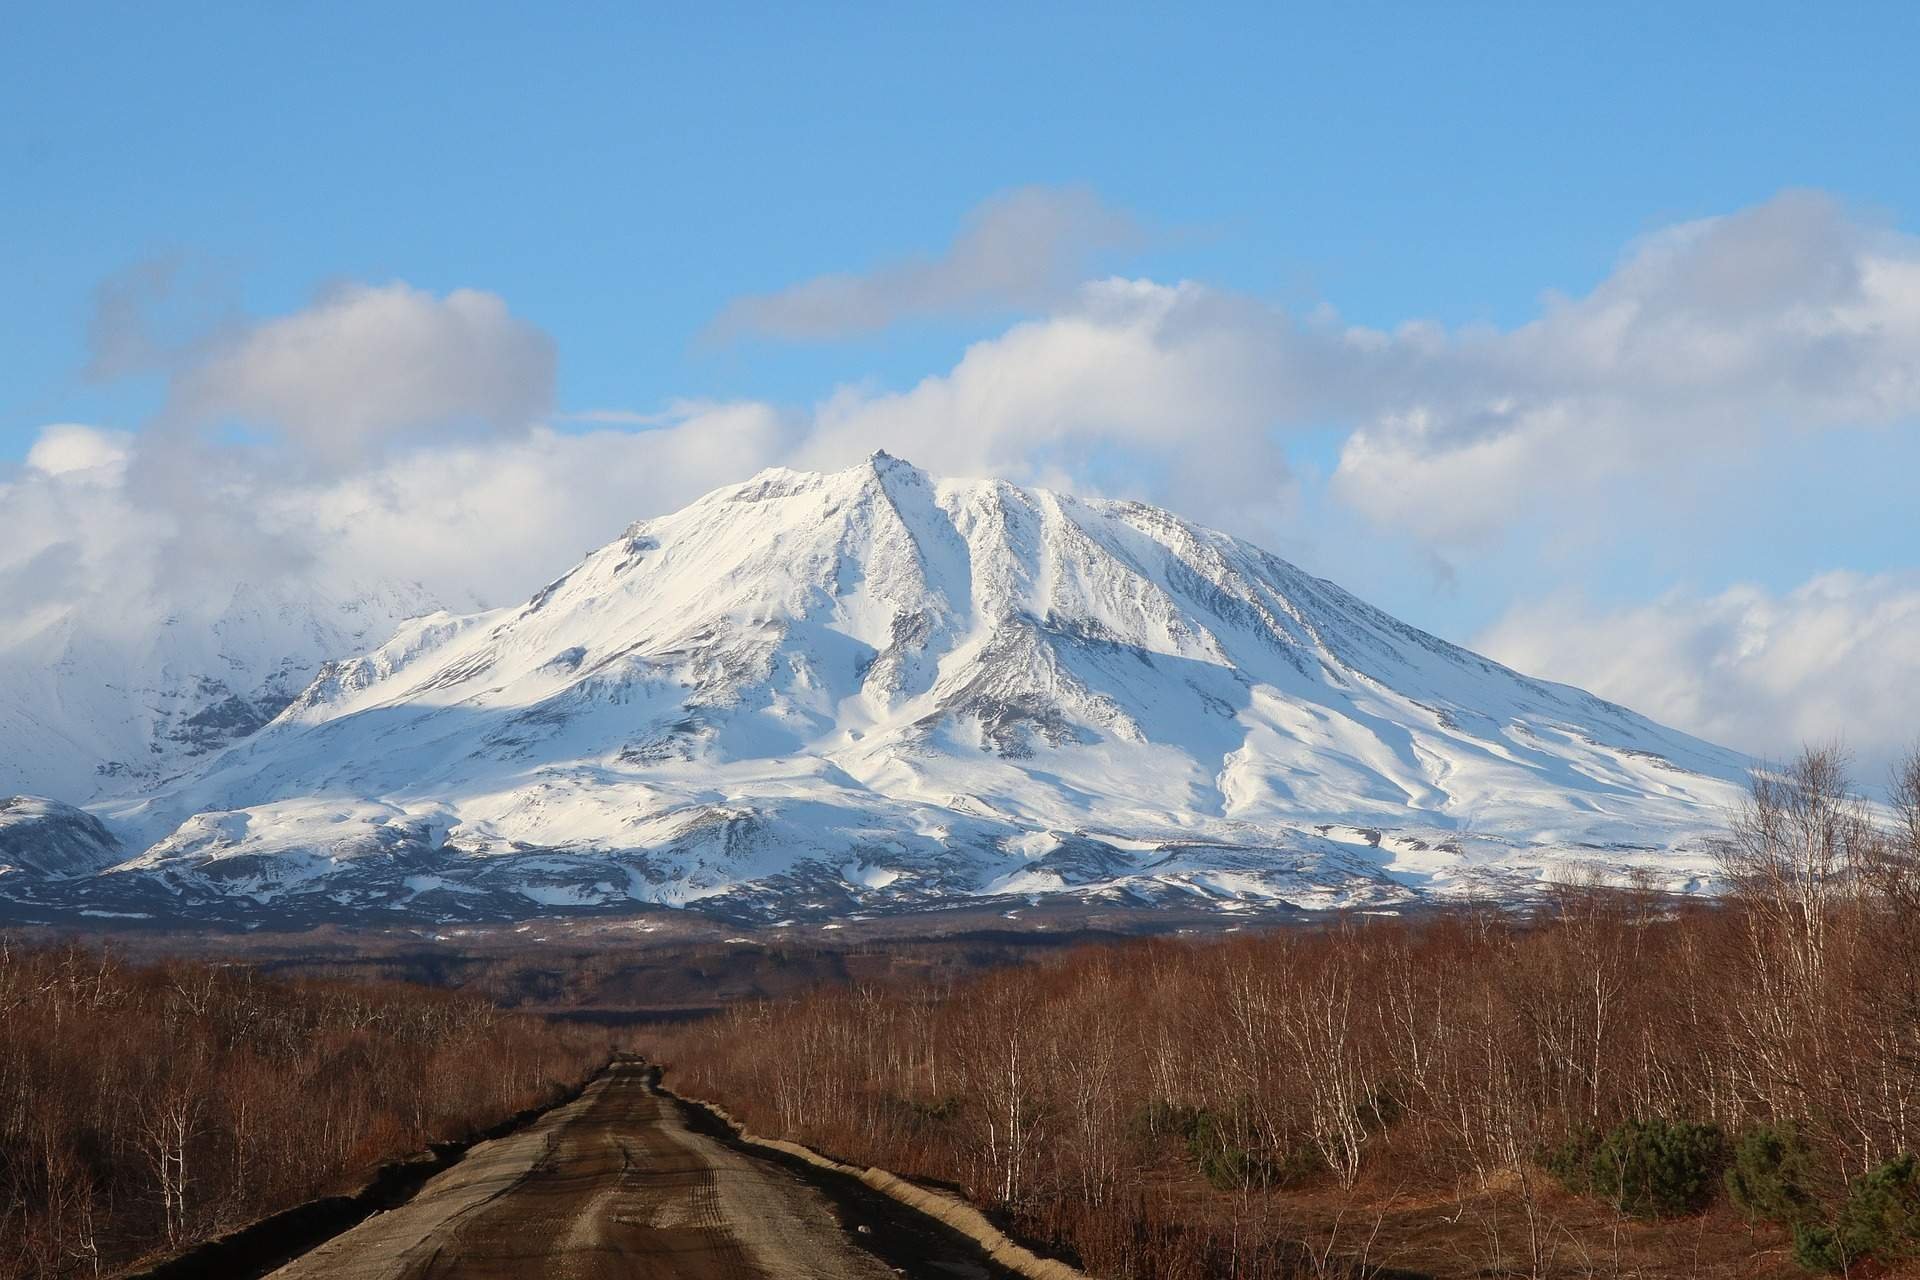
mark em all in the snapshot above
pixel 143 1108
pixel 1616 1085
pixel 615 970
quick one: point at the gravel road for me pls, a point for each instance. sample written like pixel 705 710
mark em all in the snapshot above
pixel 612 1184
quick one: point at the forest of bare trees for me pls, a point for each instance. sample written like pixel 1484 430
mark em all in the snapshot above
pixel 1617 1084
pixel 1613 1083
pixel 143 1108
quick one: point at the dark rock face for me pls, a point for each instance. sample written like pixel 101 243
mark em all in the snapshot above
pixel 231 718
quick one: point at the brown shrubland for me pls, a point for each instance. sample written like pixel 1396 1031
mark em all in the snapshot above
pixel 1394 1092
pixel 143 1108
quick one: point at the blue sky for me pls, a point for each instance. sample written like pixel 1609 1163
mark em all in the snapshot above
pixel 622 176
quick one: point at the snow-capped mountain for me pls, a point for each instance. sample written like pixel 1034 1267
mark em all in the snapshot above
pixel 831 693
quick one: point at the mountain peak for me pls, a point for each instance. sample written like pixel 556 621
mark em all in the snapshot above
pixel 886 465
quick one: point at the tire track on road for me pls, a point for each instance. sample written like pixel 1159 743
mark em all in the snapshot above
pixel 613 1184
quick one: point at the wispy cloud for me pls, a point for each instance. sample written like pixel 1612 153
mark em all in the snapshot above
pixel 156 314
pixel 616 417
pixel 1709 340
pixel 1024 249
pixel 1770 671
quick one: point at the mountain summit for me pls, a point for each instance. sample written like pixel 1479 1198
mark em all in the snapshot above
pixel 871 690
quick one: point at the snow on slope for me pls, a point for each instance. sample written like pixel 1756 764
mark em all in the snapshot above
pixel 93 705
pixel 870 689
pixel 49 840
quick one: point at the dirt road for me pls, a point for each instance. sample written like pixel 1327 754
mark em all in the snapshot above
pixel 617 1184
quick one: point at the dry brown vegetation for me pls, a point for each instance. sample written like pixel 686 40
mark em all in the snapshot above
pixel 619 973
pixel 143 1108
pixel 1612 1087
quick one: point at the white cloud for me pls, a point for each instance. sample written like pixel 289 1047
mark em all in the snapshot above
pixel 1711 338
pixel 423 410
pixel 1135 387
pixel 490 520
pixel 1753 669
pixel 100 556
pixel 366 365
pixel 1025 248
pixel 68 447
